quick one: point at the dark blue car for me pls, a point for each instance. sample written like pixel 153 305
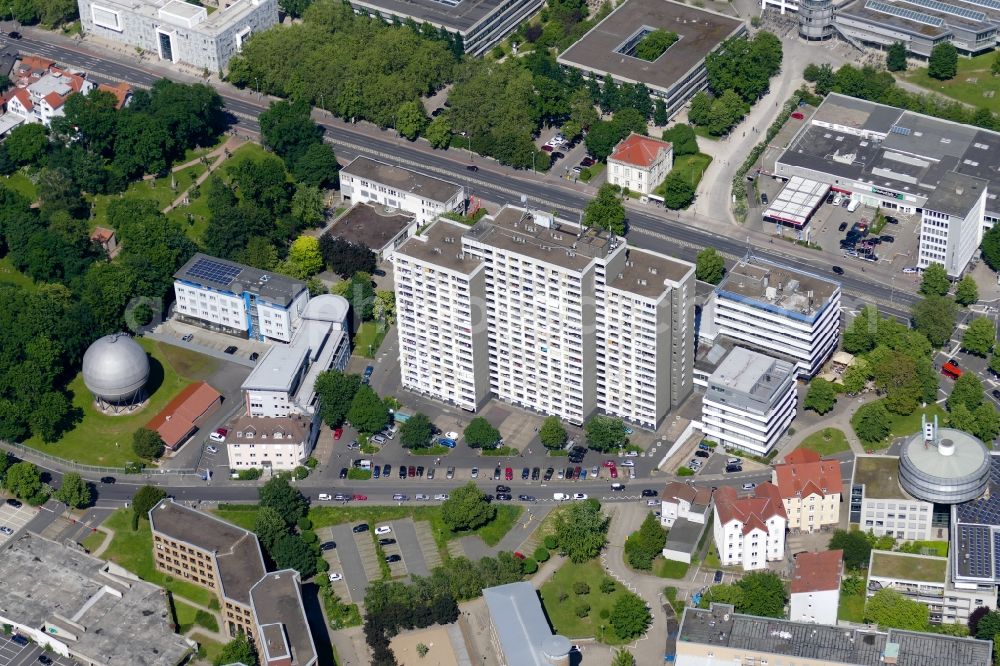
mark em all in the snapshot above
pixel 450 443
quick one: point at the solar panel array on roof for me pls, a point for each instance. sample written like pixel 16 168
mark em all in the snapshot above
pixel 208 269
pixel 907 14
pixel 991 4
pixel 945 8
pixel 903 131
pixel 976 550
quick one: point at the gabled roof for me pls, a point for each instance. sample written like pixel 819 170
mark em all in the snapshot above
pixel 638 150
pixel 691 494
pixel 122 91
pixel 817 572
pixel 803 473
pixel 752 511
pixel 23 97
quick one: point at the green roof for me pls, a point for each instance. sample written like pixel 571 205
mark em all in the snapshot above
pixel 903 566
pixel 880 476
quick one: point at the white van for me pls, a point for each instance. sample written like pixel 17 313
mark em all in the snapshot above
pixel 365 464
pixel 853 206
pixel 560 497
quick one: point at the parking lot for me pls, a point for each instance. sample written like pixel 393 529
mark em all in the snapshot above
pixel 15 518
pixel 12 654
pixel 211 342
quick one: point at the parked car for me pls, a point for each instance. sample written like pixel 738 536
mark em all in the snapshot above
pixel 254 356
pixel 843 225
pixel 383 529
pixel 548 474
pixel 400 497
pixel 441 497
pixel 6 530
pixel 891 220
pixel 430 473
pixel 231 349
pixel 338 433
pixel 733 468
pixel 763 198
pixel 996 394
pixel 219 435
pixel 14 34
pixel 837 270
pixel 749 486
pixel 14 503
pixel 44 659
pixel 353 445
pixel 504 497
pixel 362 527
pixel 526 498
pixel 212 449
pixel 450 474
pixel 547 148
pixel 525 473
pixel 614 472
pixel 702 454
pixel 359 498
pixel 421 497
pixel 617 487
pixel 887 239
pixel 649 492
pixel 718 577
pixel 19 639
pixel 496 474
pixel 343 472
pixel 334 577
pixel 508 474
pixel 951 369
pixel 402 471
pixel 393 558
pixel 628 463
pixel 386 469
pixel 556 155
pixel 188 337
pixel 911 269
pixel 475 472
pixel 588 161
pixel 386 542
pixel 450 443
pixel 376 473
pixel 535 473
pixel 579 496
pixel 502 488
pixel 379 439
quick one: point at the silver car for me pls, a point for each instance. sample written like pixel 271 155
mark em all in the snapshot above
pixel 378 439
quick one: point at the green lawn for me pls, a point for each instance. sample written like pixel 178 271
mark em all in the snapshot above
pixel 852 607
pixel 93 440
pixel 562 612
pixel 507 515
pixel 185 616
pixel 826 442
pixel 10 275
pixel 665 568
pixel 436 450
pixel 208 649
pixel 907 425
pixel 939 548
pixel 369 338
pixel 161 190
pixel 594 170
pixel 972 85
pixel 691 167
pixel 93 541
pixel 134 551
pixel 20 183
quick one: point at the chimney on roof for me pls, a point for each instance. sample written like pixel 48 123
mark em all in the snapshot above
pixel 959 190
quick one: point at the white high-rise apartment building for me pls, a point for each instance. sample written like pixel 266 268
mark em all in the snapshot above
pixel 545 315
pixel 781 311
pixel 952 223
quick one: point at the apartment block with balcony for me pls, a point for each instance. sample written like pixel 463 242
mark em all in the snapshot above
pixel 810 489
pixel 440 314
pixel 750 531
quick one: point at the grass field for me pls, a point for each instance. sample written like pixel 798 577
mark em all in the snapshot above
pixel 665 568
pixel 852 607
pixel 161 190
pixel 20 183
pixel 208 649
pixel 826 442
pixel 103 440
pixel 10 275
pixel 562 611
pixel 691 167
pixel 134 551
pixel 93 541
pixel 369 338
pixel 972 85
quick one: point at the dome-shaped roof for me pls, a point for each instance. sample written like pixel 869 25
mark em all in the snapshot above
pixel 327 307
pixel 115 368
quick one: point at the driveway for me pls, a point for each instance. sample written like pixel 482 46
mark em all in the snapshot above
pixel 12 654
pixel 350 560
pixel 409 547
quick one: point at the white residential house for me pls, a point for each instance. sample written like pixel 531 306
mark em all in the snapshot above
pixel 810 488
pixel 815 588
pixel 43 100
pixel 684 501
pixel 750 531
pixel 276 444
pixel 640 163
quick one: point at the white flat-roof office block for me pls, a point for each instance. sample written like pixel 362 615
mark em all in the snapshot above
pixel 365 180
pixel 178 31
pixel 952 223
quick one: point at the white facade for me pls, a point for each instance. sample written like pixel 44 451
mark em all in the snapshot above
pixel 951 239
pixel 880 506
pixel 683 501
pixel 272 443
pixel 640 163
pixel 750 402
pixel 781 5
pixel 749 532
pixel 42 101
pixel 780 310
pixel 230 311
pixel 365 180
pixel 810 490
pixel 819 607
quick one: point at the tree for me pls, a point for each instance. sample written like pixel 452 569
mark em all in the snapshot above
pixel 345 258
pixel 934 316
pixel 744 65
pixel 335 390
pixel 411 120
pixel 480 433
pixel 990 245
pixel 645 544
pixel 74 491
pixel 367 412
pixel 317 166
pixel 871 422
pixel 979 337
pixel 943 63
pixel 5 462
pixel 308 206
pixel 855 378
pixel 290 551
pixel 975 616
pixel 147 444
pixel 582 531
pixel 630 616
pixel 678 193
pixel 467 509
pixel 895 57
pixel 890 609
pixel 987 422
pixel 988 625
pixel 682 138
pixel 304 259
pixel 822 396
pixel 722 594
pixel 727 110
pixel 968 391
pixel 654 44
pixel 552 433
pixel 27 143
pixel 701 108
pixel 269 526
pixel 416 432
pixel 145 499
pixel 606 211
pixel 240 650
pixel 605 433
pixel 288 129
pixel 287 501
pixel 24 480
pixel 856 546
pixel 660 116
pixel 360 293
pixel 967 291
pixel 710 266
pixel 623 658
pixel 935 281
pixel 763 594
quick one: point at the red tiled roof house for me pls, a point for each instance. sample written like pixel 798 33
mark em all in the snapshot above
pixel 810 489
pixel 815 587
pixel 640 163
pixel 750 531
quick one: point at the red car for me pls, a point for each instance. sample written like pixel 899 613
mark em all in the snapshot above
pixel 337 433
pixel 798 115
pixel 951 369
pixel 547 148
pixel 614 472
pixel 519 555
pixel 360 498
pixel 609 463
pixel 509 474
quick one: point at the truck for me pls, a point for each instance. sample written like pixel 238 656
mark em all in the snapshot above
pixel 951 369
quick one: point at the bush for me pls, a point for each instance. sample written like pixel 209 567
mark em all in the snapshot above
pixel 685 471
pixel 251 474
pixel 304 524
pixel 311 462
pixel 541 554
pixel 605 613
pixel 551 542
pixel 301 472
pixel 529 565
pixel 583 610
pixel 608 585
pixel 563 597
pixel 579 587
pixel 357 474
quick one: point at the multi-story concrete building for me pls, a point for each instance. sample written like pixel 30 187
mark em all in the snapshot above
pixel 879 505
pixel 749 402
pixel 749 531
pixel 283 636
pixel 225 296
pixel 178 31
pixel 200 549
pixel 519 630
pixel 279 443
pixel 640 163
pixel 815 588
pixel 720 635
pixel 365 180
pixel 952 223
pixel 557 319
pixel 781 311
pixel 810 489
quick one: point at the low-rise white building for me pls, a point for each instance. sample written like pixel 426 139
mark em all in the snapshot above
pixel 815 588
pixel 640 163
pixel 810 489
pixel 749 531
pixel 879 505
pixel 365 180
pixel 277 444
pixel 749 402
pixel 684 510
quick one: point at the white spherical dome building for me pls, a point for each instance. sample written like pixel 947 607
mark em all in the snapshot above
pixel 115 370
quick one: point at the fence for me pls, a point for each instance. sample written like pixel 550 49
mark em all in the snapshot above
pixel 26 452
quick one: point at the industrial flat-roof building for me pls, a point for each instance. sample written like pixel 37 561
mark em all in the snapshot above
pixel 520 630
pixel 609 47
pixel 881 506
pixel 721 635
pixel 178 31
pixel 424 197
pixel 91 611
pixel 975 535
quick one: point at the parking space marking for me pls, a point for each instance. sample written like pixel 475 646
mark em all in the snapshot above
pixel 350 560
pixel 369 557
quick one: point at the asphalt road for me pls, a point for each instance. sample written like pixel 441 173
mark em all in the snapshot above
pixel 492 181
